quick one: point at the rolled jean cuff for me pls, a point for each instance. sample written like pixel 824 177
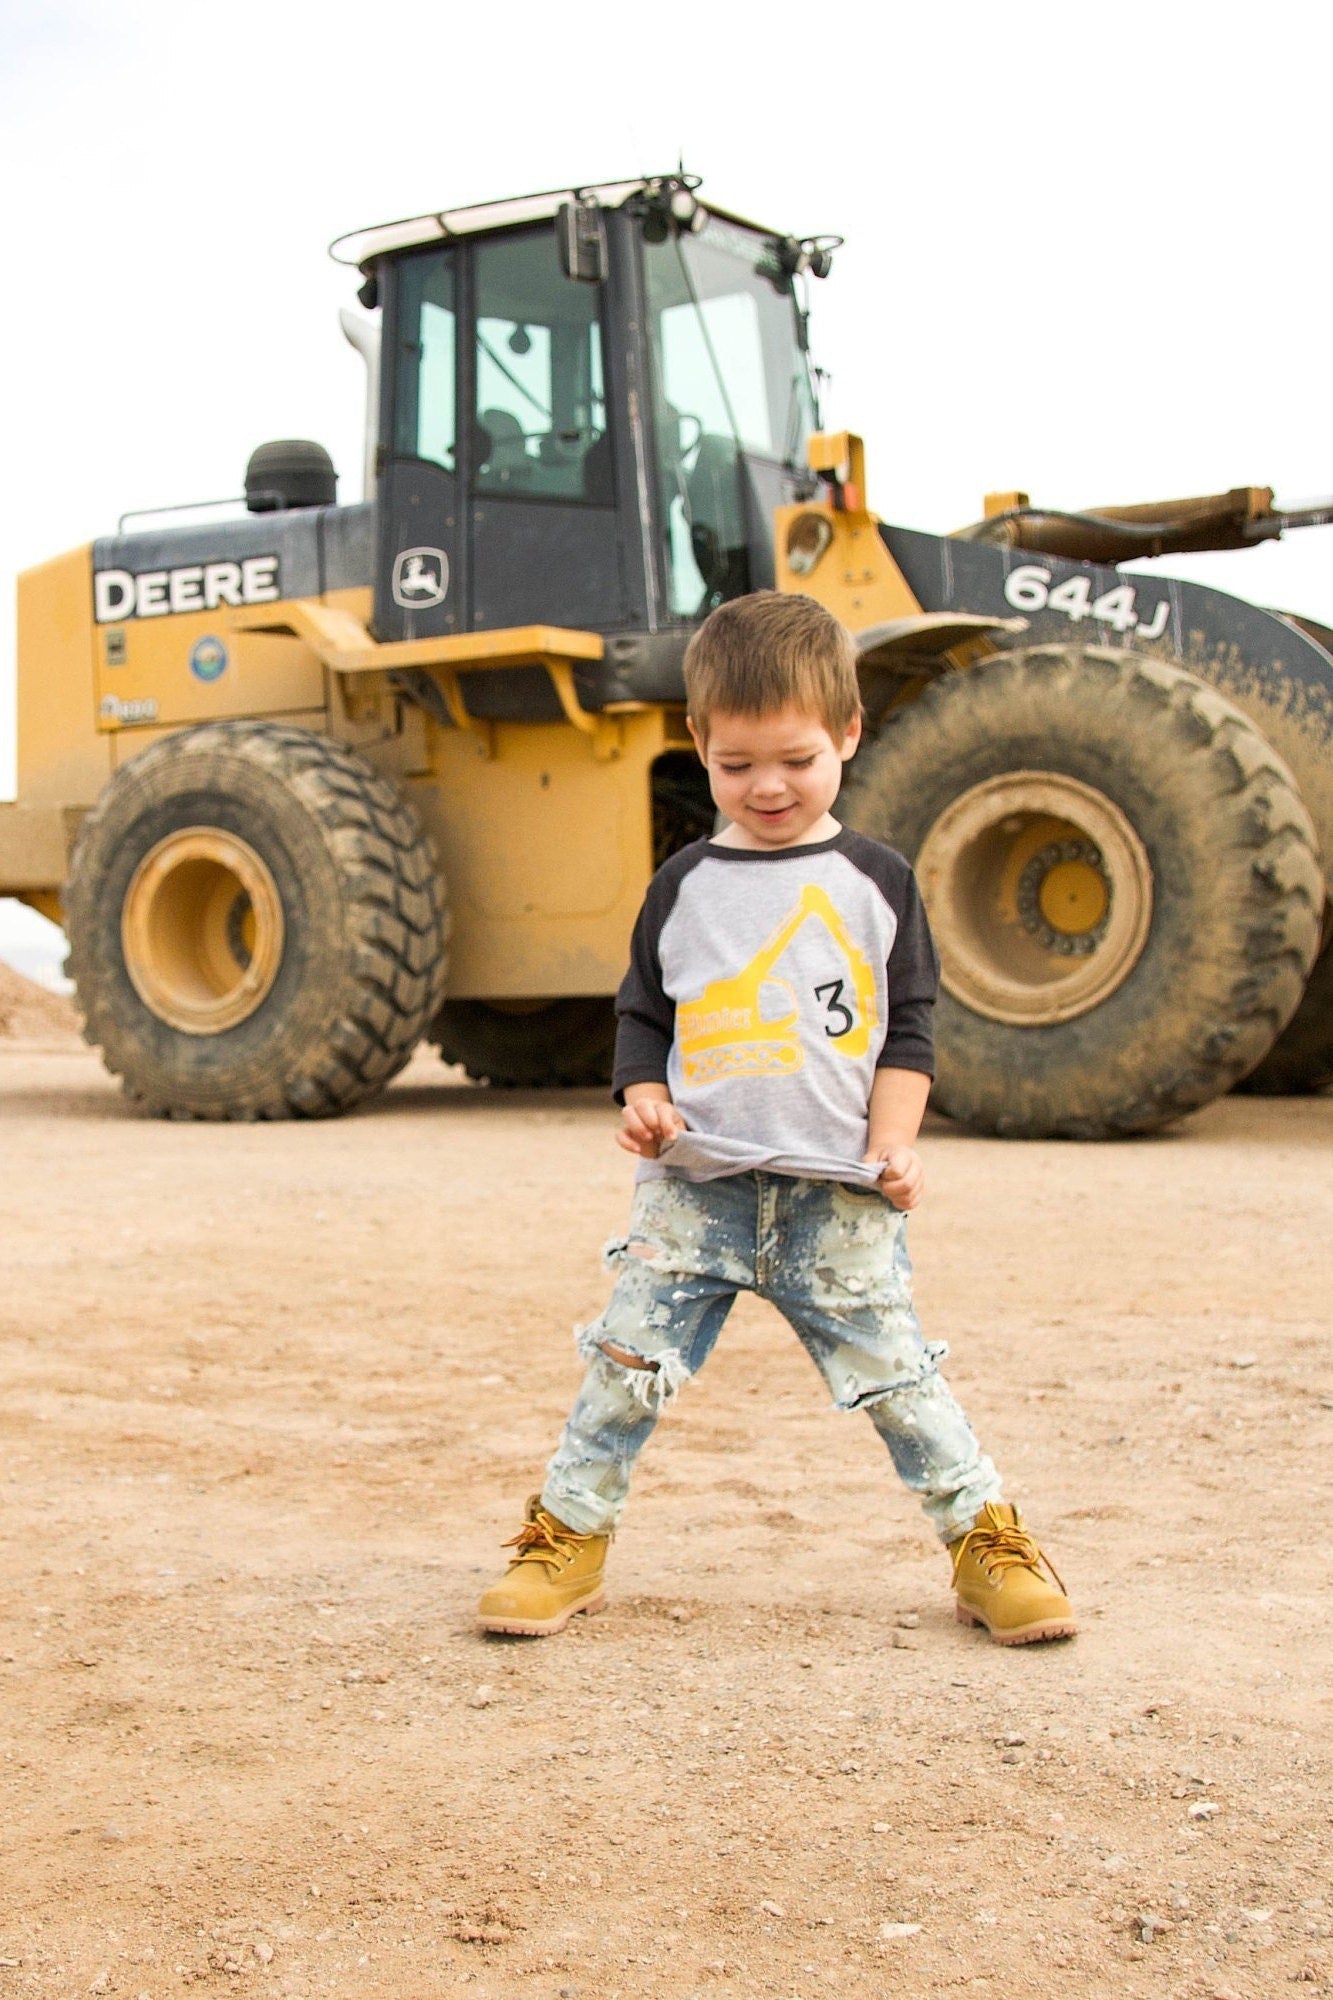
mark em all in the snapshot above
pixel 951 1515
pixel 587 1513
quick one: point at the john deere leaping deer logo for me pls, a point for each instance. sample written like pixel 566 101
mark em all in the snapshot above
pixel 724 1032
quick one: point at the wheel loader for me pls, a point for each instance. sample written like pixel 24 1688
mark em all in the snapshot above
pixel 314 783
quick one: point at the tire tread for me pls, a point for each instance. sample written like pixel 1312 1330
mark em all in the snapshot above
pixel 395 913
pixel 1225 756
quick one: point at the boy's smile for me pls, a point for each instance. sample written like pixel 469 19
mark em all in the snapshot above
pixel 774 776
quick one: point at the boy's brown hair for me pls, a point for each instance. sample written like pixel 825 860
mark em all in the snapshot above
pixel 757 654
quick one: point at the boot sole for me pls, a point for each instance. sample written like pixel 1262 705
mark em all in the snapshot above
pixel 542 1628
pixel 1020 1635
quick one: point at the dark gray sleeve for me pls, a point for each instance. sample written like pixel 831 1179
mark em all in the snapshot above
pixel 914 968
pixel 645 1017
pixel 914 979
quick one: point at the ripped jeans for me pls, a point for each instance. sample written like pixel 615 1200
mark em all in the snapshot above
pixel 833 1260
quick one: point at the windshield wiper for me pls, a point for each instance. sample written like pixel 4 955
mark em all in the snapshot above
pixel 511 378
pixel 697 303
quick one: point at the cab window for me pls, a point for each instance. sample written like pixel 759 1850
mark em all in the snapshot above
pixel 730 379
pixel 541 422
pixel 425 401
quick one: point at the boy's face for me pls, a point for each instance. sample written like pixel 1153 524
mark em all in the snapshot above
pixel 774 776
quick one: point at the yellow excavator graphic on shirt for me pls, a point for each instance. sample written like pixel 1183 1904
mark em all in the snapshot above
pixel 724 1032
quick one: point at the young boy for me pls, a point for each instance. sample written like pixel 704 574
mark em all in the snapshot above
pixel 773 1060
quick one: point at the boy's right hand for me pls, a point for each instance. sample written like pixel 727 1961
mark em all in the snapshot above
pixel 648 1124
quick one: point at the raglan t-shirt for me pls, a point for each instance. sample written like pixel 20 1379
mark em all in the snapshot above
pixel 765 988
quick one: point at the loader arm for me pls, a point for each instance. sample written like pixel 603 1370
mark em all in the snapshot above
pixel 1214 521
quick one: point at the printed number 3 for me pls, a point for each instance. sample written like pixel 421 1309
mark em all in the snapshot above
pixel 833 1006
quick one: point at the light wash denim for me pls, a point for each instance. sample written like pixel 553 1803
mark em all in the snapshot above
pixel 833 1260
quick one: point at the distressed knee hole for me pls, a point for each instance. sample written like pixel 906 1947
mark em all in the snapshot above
pixel 924 1381
pixel 624 1357
pixel 653 1380
pixel 866 1399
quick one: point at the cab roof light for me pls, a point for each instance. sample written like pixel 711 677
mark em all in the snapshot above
pixel 670 203
pixel 814 254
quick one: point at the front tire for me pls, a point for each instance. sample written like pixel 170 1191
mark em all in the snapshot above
pixel 1122 881
pixel 256 923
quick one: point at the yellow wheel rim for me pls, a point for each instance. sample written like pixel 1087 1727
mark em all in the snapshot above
pixel 202 930
pixel 1040 894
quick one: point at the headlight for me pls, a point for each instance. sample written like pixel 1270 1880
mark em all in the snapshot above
pixel 807 538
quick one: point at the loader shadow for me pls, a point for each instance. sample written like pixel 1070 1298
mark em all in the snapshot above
pixel 469 1099
pixel 58 1097
pixel 102 1101
pixel 70 1091
pixel 85 1108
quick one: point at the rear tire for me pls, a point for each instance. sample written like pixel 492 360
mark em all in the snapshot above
pixel 556 1042
pixel 1122 880
pixel 256 924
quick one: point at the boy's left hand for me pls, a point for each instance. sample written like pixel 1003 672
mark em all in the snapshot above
pixel 902 1180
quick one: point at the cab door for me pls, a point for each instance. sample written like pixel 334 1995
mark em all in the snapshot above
pixel 545 544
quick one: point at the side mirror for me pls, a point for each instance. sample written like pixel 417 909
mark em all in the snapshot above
pixel 580 231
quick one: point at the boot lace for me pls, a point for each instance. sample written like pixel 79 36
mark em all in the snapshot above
pixel 542 1540
pixel 999 1546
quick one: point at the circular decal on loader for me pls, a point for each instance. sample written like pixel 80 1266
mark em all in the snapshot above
pixel 208 660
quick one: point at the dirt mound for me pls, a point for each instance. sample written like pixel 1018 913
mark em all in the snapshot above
pixel 28 1013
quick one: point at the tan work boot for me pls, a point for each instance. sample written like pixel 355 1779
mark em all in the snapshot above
pixel 554 1572
pixel 997 1574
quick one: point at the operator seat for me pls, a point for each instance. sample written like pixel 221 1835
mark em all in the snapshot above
pixel 716 503
pixel 506 463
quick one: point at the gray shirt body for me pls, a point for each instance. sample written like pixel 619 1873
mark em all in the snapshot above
pixel 765 989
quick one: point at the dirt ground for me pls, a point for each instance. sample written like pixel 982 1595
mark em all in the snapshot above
pixel 273 1397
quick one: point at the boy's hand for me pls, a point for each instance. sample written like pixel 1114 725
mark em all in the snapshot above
pixel 902 1180
pixel 647 1125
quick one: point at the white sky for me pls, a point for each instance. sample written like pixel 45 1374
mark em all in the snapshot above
pixel 1086 246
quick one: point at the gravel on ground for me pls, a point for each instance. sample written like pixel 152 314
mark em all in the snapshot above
pixel 274 1395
